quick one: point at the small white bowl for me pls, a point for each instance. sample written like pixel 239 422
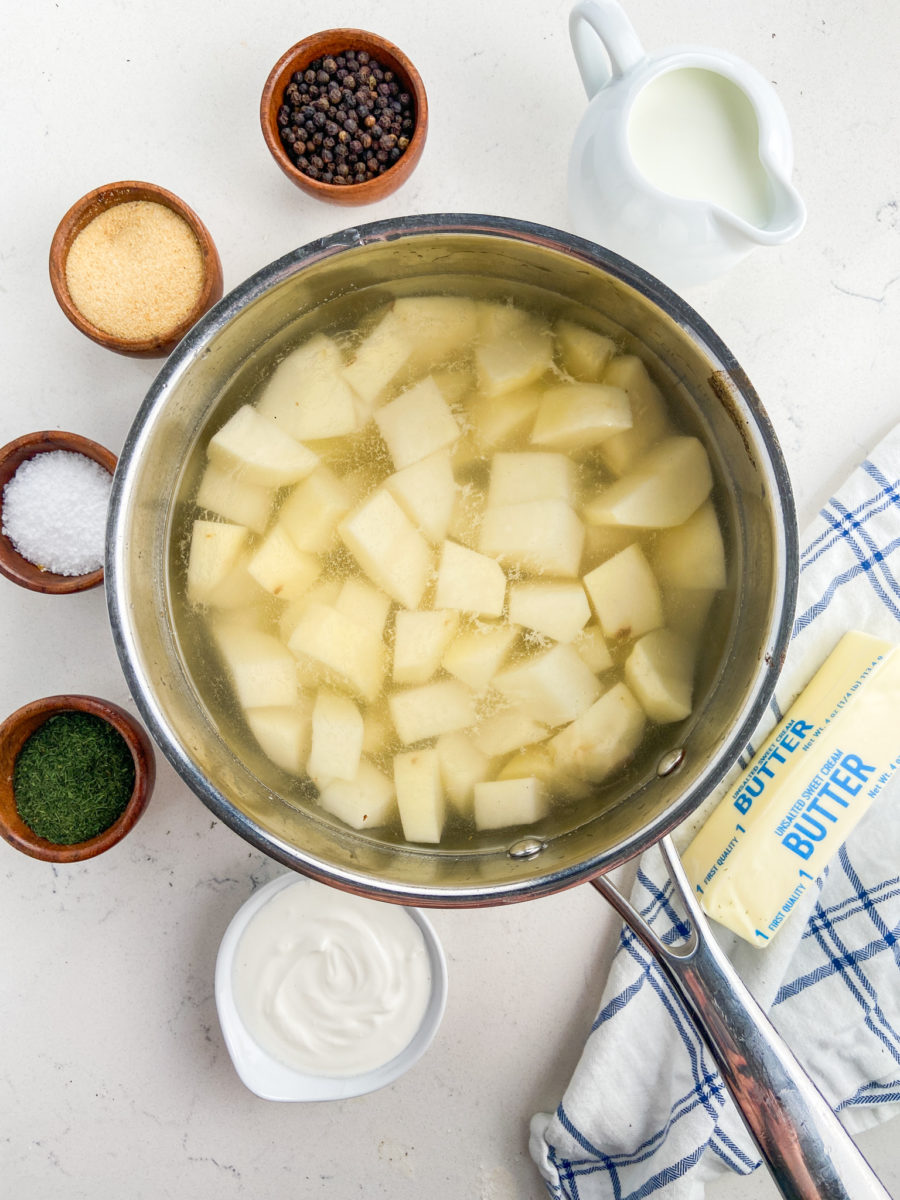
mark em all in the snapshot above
pixel 273 1080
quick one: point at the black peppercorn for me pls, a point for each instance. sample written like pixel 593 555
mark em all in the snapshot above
pixel 344 118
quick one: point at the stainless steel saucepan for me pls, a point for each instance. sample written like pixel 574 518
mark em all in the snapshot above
pixel 217 366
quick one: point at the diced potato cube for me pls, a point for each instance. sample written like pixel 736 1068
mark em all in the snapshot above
pixel 603 738
pixel 364 802
pixel 337 737
pixel 583 353
pixel 420 639
pixel 417 423
pixel 650 421
pixel 427 491
pixel 258 451
pixel 469 581
pixel 324 591
pixel 540 761
pixel 507 731
pixel 352 654
pixel 536 759
pixel 468 511
pixel 515 357
pixel 430 710
pixel 692 555
pixel 499 421
pixel 516 478
pixel 625 595
pixel 378 359
pixel 262 669
pixel 215 550
pixel 558 610
pixel 389 548
pixel 455 383
pixel 238 592
pixel 554 687
pixel 660 672
pixel 576 416
pixel 510 802
pixel 283 734
pixel 282 569
pixel 591 645
pixel 497 317
pixel 311 513
pixel 437 326
pixel 307 396
pixel 462 765
pixel 364 604
pixel 544 536
pixel 420 795
pixel 234 499
pixel 476 656
pixel 687 610
pixel 669 483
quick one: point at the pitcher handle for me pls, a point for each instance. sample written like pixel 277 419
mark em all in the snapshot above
pixel 604 22
pixel 809 1153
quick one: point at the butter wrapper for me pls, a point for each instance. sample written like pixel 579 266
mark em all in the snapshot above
pixel 789 813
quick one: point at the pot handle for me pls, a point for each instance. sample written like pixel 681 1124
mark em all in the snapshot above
pixel 603 21
pixel 808 1151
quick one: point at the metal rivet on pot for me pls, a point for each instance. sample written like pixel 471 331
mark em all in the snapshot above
pixel 670 762
pixel 526 847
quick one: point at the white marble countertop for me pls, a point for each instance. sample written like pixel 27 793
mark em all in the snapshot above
pixel 114 1080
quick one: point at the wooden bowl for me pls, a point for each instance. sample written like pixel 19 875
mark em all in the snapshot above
pixel 84 211
pixel 332 42
pixel 16 730
pixel 12 564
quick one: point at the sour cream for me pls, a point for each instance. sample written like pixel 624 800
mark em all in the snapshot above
pixel 329 983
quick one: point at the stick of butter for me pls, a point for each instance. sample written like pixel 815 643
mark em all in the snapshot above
pixel 789 813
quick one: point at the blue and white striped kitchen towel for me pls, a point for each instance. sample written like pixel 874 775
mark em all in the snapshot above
pixel 646 1113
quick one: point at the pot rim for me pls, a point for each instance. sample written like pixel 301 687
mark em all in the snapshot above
pixel 786 544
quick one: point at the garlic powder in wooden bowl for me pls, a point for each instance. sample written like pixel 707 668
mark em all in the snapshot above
pixel 136 270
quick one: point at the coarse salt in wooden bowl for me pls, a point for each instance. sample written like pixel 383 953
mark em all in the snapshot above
pixel 13 564
pixel 143 287
pixel 332 42
pixel 15 732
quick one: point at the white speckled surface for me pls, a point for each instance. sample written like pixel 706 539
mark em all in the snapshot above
pixel 114 1080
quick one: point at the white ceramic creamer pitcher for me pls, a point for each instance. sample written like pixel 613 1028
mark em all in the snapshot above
pixel 682 161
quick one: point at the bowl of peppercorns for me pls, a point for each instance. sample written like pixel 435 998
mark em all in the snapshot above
pixel 345 115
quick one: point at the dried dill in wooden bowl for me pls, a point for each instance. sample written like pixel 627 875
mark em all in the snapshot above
pixel 75 774
pixel 73 778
